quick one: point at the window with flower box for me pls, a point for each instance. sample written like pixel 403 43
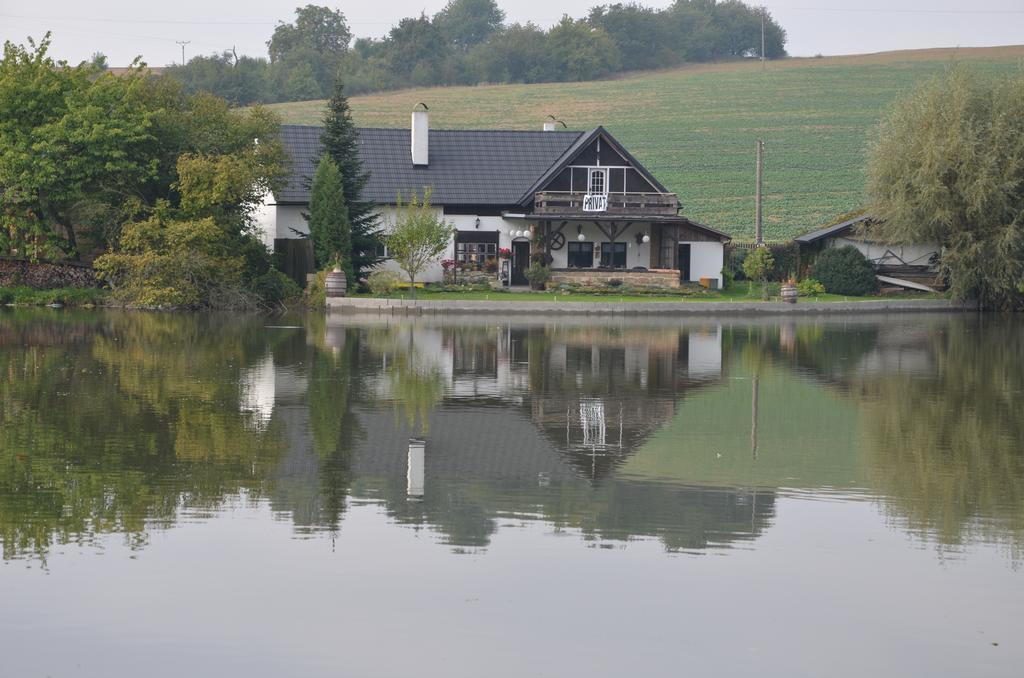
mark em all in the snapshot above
pixel 473 249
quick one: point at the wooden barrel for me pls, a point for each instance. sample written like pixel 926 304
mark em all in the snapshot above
pixel 788 293
pixel 337 284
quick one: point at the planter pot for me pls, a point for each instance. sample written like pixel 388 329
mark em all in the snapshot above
pixel 336 284
pixel 788 293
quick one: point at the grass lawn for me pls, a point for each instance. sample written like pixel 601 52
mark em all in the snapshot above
pixel 695 126
pixel 738 292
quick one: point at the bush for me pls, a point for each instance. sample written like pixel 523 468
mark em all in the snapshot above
pixel 66 296
pixel 734 262
pixel 810 287
pixel 274 287
pixel 844 270
pixel 383 282
pixel 538 275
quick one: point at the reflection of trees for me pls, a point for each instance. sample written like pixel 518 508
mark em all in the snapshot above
pixel 947 451
pixel 107 430
pixel 415 384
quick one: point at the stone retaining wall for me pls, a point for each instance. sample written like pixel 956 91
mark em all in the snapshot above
pixel 610 308
pixel 45 275
pixel 595 278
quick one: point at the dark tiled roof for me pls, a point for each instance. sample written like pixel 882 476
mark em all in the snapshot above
pixel 467 167
pixel 836 229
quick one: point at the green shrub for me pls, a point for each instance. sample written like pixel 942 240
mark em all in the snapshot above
pixel 844 270
pixel 809 287
pixel 538 275
pixel 66 296
pixel 315 296
pixel 274 287
pixel 383 282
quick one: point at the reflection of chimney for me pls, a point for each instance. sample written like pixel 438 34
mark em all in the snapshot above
pixel 421 137
pixel 415 479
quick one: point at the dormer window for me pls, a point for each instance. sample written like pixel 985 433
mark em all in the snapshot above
pixel 598 182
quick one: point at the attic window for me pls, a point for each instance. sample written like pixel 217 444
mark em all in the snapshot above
pixel 598 184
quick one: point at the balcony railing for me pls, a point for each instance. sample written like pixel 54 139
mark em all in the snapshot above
pixel 565 202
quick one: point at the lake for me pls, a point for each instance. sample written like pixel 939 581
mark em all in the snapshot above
pixel 228 495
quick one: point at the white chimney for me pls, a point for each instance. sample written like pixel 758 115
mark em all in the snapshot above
pixel 420 137
pixel 549 126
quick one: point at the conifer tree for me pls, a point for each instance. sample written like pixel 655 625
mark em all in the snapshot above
pixel 341 143
pixel 329 224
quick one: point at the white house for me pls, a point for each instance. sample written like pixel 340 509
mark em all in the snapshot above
pixel 578 199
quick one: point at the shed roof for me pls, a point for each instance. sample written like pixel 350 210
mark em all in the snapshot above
pixel 467 167
pixel 835 229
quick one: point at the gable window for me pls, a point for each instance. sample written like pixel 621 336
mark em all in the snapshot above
pixel 598 184
pixel 613 255
pixel 580 255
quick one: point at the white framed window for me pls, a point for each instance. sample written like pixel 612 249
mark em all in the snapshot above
pixel 598 184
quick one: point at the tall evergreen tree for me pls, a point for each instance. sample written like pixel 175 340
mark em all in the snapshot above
pixel 329 224
pixel 340 142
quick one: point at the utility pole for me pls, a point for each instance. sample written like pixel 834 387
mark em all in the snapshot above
pixel 183 43
pixel 758 223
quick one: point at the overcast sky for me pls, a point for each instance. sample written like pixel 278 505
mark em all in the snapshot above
pixel 123 29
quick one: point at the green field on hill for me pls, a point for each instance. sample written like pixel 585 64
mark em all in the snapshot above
pixel 696 127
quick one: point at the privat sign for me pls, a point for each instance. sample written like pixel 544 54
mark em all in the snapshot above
pixel 595 203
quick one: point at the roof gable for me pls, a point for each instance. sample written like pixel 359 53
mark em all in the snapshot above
pixel 578 149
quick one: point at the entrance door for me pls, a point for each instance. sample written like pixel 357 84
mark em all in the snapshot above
pixel 684 262
pixel 520 262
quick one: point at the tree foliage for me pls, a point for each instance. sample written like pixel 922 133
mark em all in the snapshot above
pixel 947 166
pixel 70 145
pixel 467 23
pixel 418 237
pixel 758 265
pixel 314 46
pixel 467 43
pixel 329 225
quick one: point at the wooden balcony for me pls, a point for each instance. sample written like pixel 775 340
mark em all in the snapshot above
pixel 561 203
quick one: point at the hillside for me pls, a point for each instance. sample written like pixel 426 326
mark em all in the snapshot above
pixel 695 127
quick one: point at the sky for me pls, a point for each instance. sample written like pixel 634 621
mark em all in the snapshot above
pixel 123 29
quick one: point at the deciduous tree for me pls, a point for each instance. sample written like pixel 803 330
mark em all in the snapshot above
pixel 418 237
pixel 947 166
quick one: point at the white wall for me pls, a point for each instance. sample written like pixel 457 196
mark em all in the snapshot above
pixel 277 221
pixel 462 222
pixel 636 255
pixel 916 254
pixel 706 260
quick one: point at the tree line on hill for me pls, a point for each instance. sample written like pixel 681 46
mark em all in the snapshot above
pixel 468 42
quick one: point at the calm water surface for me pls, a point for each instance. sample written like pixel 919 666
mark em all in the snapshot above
pixel 231 495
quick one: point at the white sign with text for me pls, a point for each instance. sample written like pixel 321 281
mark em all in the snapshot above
pixel 595 203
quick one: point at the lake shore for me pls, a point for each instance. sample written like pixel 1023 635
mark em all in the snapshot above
pixel 502 307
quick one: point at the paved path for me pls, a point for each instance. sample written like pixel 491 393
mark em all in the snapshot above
pixel 409 307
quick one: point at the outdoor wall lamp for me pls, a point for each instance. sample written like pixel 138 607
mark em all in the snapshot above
pixel 579 233
pixel 642 238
